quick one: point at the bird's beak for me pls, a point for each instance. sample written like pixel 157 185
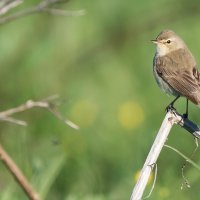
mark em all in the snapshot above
pixel 154 41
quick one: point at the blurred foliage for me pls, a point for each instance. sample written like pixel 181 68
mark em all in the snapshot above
pixel 101 66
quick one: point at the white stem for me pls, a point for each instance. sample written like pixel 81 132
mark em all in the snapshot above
pixel 153 155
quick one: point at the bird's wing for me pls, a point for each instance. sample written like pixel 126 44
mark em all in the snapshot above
pixel 185 81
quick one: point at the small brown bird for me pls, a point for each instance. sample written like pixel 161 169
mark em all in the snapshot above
pixel 175 68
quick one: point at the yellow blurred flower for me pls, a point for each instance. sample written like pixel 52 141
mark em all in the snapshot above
pixel 84 112
pixel 164 192
pixel 137 175
pixel 130 115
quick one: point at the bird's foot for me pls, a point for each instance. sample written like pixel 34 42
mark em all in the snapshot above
pixel 185 116
pixel 170 107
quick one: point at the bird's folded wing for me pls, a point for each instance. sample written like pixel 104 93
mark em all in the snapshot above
pixel 183 81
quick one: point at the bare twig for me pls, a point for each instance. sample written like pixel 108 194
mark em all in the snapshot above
pixel 59 116
pixel 73 13
pixel 45 103
pixel 187 160
pixel 171 118
pixel 15 121
pixel 7 5
pixel 35 9
pixel 184 156
pixel 18 175
pixel 43 6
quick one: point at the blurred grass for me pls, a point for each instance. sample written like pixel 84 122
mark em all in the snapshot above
pixel 101 66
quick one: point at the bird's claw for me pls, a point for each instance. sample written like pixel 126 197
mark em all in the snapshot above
pixel 170 107
pixel 185 116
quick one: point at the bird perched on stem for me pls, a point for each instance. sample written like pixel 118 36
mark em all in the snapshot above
pixel 175 68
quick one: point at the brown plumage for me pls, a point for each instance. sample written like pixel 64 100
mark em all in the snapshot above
pixel 175 67
pixel 183 77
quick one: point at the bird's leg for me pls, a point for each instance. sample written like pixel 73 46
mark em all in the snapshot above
pixel 171 105
pixel 186 113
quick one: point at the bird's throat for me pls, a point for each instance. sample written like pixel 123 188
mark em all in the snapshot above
pixel 162 50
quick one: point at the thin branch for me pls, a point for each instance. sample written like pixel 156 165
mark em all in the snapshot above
pixel 45 103
pixel 171 118
pixel 71 13
pixel 59 116
pixel 15 121
pixel 187 160
pixel 184 156
pixel 29 11
pixel 18 175
pixel 8 5
pixel 43 6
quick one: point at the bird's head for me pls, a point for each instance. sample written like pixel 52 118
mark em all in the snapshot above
pixel 167 41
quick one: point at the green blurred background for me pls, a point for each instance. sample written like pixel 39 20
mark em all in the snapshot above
pixel 101 66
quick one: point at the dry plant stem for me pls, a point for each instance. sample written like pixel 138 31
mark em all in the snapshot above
pixel 6 116
pixel 195 165
pixel 43 6
pixel 8 5
pixel 65 12
pixel 29 11
pixel 187 124
pixel 45 103
pixel 171 118
pixel 152 156
pixel 18 175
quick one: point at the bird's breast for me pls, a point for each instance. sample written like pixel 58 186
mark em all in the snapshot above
pixel 165 87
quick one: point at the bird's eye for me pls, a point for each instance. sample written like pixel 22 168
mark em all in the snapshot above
pixel 168 41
